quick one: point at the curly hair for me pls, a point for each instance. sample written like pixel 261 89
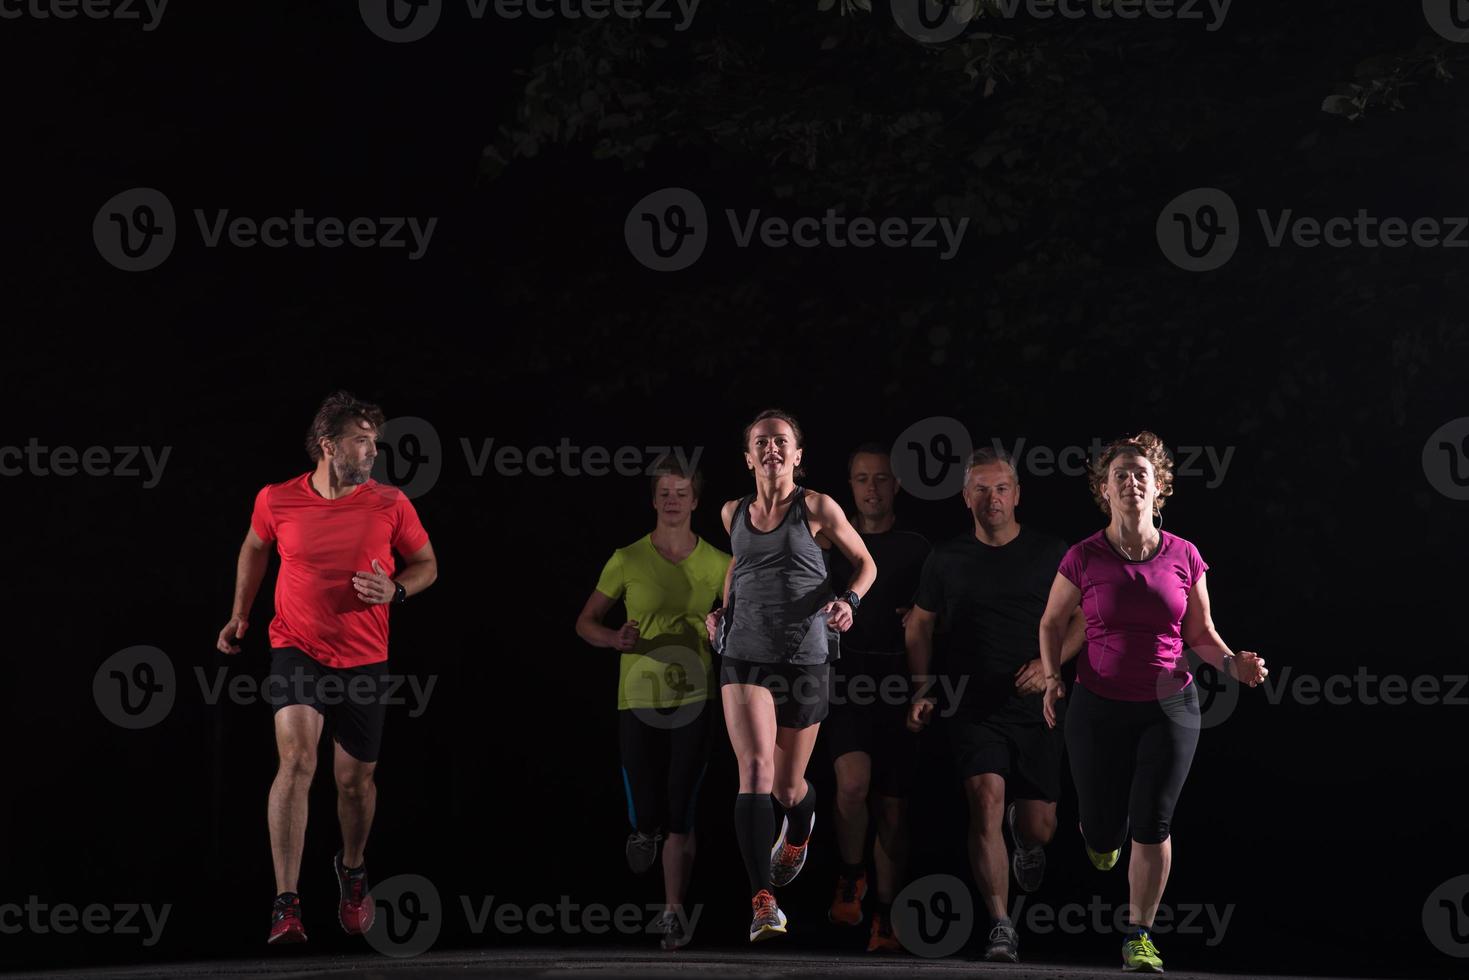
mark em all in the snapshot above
pixel 1149 447
pixel 339 410
pixel 788 419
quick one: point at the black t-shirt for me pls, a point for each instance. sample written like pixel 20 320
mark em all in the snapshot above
pixel 989 603
pixel 877 627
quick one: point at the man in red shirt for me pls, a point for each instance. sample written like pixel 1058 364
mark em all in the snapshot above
pixel 336 530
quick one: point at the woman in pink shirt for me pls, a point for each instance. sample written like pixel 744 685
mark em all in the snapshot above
pixel 1133 722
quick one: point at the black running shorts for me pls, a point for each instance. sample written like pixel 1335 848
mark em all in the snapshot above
pixel 801 692
pixel 351 699
pixel 869 714
pixel 1027 754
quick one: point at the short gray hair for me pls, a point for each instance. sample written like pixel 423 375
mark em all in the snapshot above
pixel 985 455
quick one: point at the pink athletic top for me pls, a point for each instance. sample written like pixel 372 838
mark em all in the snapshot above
pixel 1134 616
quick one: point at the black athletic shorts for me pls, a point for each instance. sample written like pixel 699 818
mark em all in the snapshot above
pixel 664 755
pixel 1027 754
pixel 351 699
pixel 869 714
pixel 802 692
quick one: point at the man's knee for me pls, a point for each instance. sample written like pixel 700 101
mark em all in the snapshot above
pixel 354 782
pixel 297 761
pixel 1037 822
pixel 852 789
pixel 892 812
pixel 986 799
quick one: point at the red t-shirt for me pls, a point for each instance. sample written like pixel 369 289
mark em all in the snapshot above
pixel 322 544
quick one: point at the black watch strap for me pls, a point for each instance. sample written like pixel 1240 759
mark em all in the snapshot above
pixel 851 598
pixel 401 595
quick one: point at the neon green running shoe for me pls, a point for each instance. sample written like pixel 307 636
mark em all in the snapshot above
pixel 1139 955
pixel 1102 862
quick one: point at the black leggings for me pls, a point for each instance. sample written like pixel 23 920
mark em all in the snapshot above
pixel 663 759
pixel 1129 760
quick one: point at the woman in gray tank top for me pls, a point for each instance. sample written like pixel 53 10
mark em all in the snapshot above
pixel 777 634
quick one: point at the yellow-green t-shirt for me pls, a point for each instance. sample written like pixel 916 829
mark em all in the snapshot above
pixel 671 664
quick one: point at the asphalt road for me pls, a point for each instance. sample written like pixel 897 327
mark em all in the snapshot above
pixel 612 964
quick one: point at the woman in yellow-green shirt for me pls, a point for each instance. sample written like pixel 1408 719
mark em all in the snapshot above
pixel 668 580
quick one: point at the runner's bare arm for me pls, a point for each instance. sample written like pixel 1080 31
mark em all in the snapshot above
pixel 589 625
pixel 420 571
pixel 249 573
pixel 831 523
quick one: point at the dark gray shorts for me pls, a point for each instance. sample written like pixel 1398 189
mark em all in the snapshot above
pixel 802 692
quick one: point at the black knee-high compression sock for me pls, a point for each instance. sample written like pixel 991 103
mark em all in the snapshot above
pixel 755 828
pixel 798 817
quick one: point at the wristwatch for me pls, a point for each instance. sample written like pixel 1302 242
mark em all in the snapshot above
pixel 850 598
pixel 401 595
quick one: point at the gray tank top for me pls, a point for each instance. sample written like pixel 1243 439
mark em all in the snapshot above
pixel 777 590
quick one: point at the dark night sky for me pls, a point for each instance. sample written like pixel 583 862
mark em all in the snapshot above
pixel 1325 371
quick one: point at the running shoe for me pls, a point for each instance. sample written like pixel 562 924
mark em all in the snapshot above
pixel 1027 863
pixel 769 920
pixel 1139 955
pixel 354 904
pixel 787 860
pixel 1102 861
pixel 673 927
pixel 642 851
pixel 1003 945
pixel 882 939
pixel 846 904
pixel 285 920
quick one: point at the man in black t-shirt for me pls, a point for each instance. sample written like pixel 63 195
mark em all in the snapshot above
pixel 866 733
pixel 979 602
